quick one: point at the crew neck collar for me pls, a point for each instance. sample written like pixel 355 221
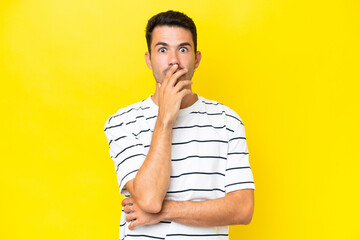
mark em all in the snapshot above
pixel 182 112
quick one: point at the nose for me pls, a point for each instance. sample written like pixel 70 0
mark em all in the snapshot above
pixel 173 58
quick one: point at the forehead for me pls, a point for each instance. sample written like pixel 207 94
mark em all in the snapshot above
pixel 171 35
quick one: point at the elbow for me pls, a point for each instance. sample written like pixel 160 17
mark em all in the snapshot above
pixel 244 216
pixel 248 215
pixel 247 219
pixel 148 201
pixel 244 206
pixel 150 206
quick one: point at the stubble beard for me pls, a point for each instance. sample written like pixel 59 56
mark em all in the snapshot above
pixel 160 79
pixel 182 77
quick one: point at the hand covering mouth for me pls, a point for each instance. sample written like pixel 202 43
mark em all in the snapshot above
pixel 168 68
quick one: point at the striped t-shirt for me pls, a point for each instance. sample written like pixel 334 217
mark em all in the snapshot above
pixel 209 157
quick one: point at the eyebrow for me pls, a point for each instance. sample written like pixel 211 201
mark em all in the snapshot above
pixel 166 45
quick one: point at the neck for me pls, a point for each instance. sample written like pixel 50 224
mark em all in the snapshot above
pixel 187 101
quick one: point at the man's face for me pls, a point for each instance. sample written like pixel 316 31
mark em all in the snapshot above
pixel 169 46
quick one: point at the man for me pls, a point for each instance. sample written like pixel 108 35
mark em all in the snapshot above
pixel 176 153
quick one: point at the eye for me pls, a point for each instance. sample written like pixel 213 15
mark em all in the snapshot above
pixel 162 50
pixel 183 49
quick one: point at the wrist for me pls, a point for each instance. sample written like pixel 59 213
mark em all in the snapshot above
pixel 166 211
pixel 173 210
pixel 164 124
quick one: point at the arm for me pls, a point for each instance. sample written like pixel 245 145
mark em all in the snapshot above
pixel 149 187
pixel 235 208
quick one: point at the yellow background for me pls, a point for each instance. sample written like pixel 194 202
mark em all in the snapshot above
pixel 290 69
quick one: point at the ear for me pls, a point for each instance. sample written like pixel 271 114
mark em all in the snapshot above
pixel 147 60
pixel 197 59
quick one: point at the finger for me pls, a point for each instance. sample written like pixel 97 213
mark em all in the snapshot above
pixel 180 85
pixel 127 201
pixel 185 92
pixel 128 209
pixel 176 76
pixel 132 225
pixel 169 73
pixel 130 217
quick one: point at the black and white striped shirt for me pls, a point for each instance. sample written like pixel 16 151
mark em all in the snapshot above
pixel 209 157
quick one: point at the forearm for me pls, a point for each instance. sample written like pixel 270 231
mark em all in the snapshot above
pixel 152 180
pixel 229 210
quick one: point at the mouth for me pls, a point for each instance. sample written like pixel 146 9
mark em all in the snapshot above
pixel 168 68
pixel 179 68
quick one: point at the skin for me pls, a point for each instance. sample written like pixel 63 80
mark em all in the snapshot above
pixel 170 47
pixel 178 49
pixel 235 208
pixel 173 62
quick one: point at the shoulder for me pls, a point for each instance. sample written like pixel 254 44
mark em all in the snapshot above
pixel 213 106
pixel 124 114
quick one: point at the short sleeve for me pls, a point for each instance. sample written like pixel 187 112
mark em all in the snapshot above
pixel 127 152
pixel 238 174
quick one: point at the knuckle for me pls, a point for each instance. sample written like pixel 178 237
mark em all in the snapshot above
pixel 180 83
pixel 187 91
pixel 187 82
pixel 172 78
pixel 168 75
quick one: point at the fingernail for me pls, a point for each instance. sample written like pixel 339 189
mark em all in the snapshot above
pixel 175 65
